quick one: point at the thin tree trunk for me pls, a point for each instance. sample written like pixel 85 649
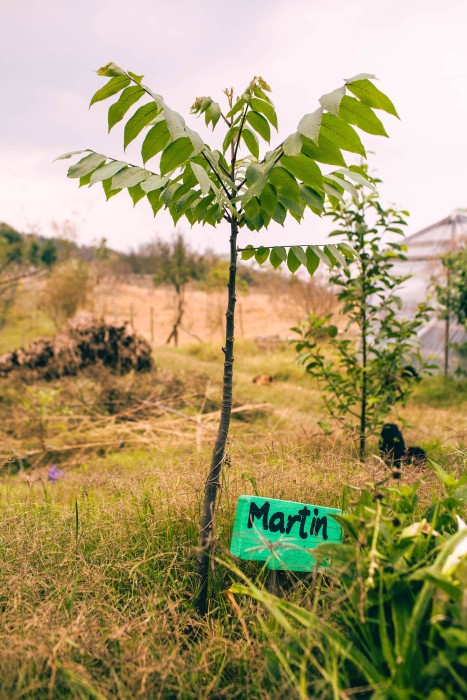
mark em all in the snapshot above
pixel 446 347
pixel 178 319
pixel 446 328
pixel 362 451
pixel 363 407
pixel 213 482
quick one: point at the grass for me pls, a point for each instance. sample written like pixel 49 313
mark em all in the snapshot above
pixel 97 573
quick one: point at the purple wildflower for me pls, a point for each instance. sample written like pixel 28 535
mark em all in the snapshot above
pixel 55 473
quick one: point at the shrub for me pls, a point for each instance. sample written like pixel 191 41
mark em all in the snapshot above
pixel 394 602
pixel 68 289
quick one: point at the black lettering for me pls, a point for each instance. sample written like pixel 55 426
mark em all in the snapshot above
pixel 276 523
pixel 324 523
pixel 303 513
pixel 313 522
pixel 291 520
pixel 256 512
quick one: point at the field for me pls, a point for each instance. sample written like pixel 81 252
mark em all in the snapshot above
pixel 97 571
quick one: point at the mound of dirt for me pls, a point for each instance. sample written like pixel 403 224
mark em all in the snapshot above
pixel 86 341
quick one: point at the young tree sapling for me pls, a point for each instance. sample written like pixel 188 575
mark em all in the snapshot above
pixel 238 186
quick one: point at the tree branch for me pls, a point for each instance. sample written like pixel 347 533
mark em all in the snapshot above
pixel 228 194
pixel 237 144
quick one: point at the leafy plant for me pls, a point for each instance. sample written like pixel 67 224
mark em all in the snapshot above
pixel 451 295
pixel 388 618
pixel 20 257
pixel 66 290
pixel 238 186
pixel 176 265
pixel 363 380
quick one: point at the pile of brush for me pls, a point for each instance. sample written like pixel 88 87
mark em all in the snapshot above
pixel 86 341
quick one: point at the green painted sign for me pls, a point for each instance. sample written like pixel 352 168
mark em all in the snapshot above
pixel 282 533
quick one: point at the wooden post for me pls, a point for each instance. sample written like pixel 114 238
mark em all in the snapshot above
pixel 152 324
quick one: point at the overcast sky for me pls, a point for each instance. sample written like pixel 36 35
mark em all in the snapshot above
pixel 303 48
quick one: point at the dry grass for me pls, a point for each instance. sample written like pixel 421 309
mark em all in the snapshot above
pixel 258 312
pixel 97 573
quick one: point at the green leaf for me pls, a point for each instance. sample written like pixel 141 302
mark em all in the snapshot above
pixel 155 201
pixel 248 252
pixel 371 96
pixel 178 209
pixel 138 121
pixel 229 137
pixel 129 177
pixel 175 123
pixel 108 170
pixel 158 99
pixel 358 113
pixel 86 165
pixel 156 140
pixel 293 144
pixel 109 192
pixel 260 125
pixel 334 193
pixel 203 178
pixel 360 76
pixel 136 193
pixel 294 208
pixel 299 254
pixel 268 200
pixel 71 153
pixel 322 256
pixel 293 263
pixel 196 140
pixel 351 189
pixel 357 177
pixel 312 261
pixel 280 214
pixel 260 93
pixel 265 108
pixel 275 259
pixel 336 254
pixel 238 106
pixel 200 209
pixel 332 100
pixel 213 215
pixel 257 174
pixel 136 78
pixel 110 70
pixel 324 152
pixel 154 182
pixel 303 168
pixel 252 209
pixel 174 191
pixel 312 199
pixel 128 98
pixel 251 142
pixel 114 85
pixel 284 183
pixel 261 255
pixel 310 125
pixel 85 180
pixel 213 114
pixel 342 134
pixel 176 153
pixel 349 252
pixel 281 252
